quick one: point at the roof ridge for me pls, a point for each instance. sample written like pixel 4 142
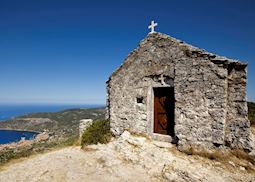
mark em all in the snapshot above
pixel 191 51
pixel 192 48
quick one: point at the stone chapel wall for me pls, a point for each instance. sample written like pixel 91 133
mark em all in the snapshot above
pixel 201 96
pixel 238 134
pixel 210 107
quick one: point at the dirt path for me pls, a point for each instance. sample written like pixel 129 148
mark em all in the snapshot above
pixel 128 158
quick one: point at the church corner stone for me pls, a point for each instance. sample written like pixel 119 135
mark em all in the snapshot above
pixel 209 91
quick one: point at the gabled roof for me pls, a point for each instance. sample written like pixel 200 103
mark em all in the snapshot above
pixel 191 51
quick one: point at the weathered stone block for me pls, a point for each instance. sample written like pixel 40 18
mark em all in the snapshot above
pixel 84 124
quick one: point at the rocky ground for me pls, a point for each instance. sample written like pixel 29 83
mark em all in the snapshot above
pixel 128 158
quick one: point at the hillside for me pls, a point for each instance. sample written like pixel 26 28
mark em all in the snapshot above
pixel 63 123
pixel 57 129
pixel 127 158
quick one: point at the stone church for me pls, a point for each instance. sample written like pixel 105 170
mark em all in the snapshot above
pixel 176 92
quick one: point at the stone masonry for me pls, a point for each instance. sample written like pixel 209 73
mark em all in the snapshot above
pixel 209 90
pixel 84 124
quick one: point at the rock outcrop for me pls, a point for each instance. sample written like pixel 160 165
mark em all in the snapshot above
pixel 127 158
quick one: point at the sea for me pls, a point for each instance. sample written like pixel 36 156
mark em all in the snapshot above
pixel 10 111
pixel 9 136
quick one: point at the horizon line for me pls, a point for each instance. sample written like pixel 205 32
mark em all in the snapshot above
pixel 50 103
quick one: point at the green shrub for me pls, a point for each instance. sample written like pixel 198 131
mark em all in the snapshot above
pixel 97 132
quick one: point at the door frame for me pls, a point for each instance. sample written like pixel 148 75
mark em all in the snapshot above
pixel 150 115
pixel 167 108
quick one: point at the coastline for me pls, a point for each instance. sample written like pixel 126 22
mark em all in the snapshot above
pixel 55 129
pixel 20 130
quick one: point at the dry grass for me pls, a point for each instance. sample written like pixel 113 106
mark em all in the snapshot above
pixel 175 151
pixel 215 155
pixel 237 156
pixel 88 149
pixel 240 154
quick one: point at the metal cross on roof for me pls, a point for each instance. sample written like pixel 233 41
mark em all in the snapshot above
pixel 152 26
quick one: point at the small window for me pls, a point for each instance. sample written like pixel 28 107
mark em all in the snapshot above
pixel 139 99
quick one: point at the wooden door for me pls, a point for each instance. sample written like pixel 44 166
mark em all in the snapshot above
pixel 164 111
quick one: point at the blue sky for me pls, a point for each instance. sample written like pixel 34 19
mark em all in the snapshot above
pixel 59 51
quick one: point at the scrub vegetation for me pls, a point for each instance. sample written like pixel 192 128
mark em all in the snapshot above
pixel 97 132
